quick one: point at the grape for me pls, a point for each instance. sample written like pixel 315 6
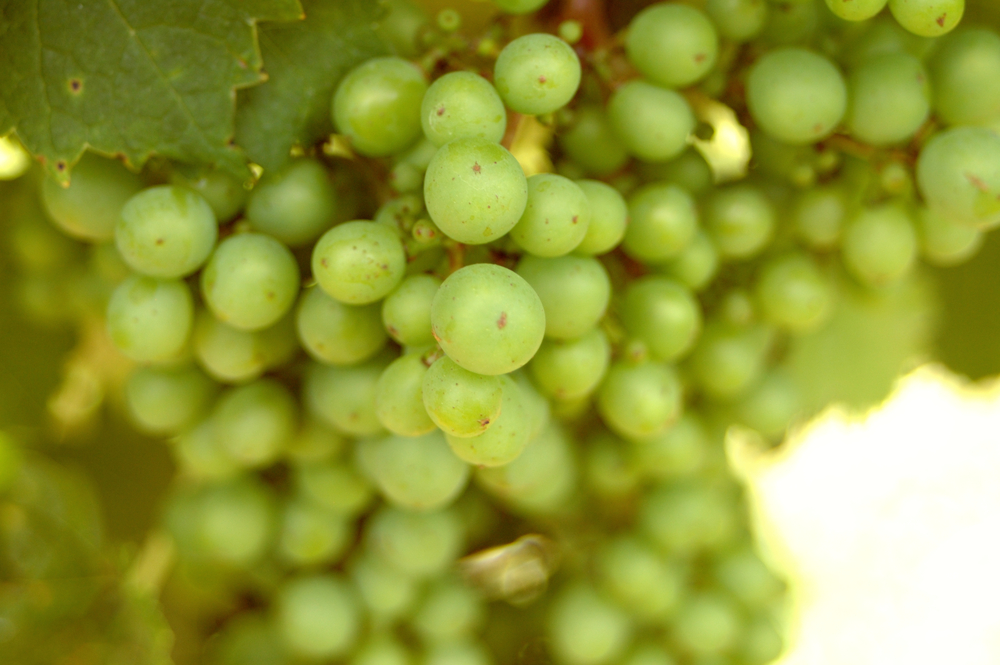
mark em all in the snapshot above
pixel 406 312
pixel 460 402
pixel 792 22
pixel 377 105
pixel 649 654
pixel 167 400
pixel 247 638
pixel 608 218
pixel 311 536
pixel 640 400
pixel 536 406
pixel 680 451
pixel 89 208
pixel 314 443
pixel 964 70
pixel 739 20
pixel 235 521
pixel 199 455
pixel 475 191
pixel 556 217
pixel 386 592
pixel 418 544
pixel 696 265
pixel 773 403
pixel 942 241
pixel 584 629
pixel 682 519
pixel 487 319
pixel 795 95
pixel 458 653
pixel 708 624
pixel 760 643
pixel 505 437
pixel 166 232
pixel 793 293
pixel 520 6
pixel 541 478
pixel 336 487
pixel 381 649
pixel 462 104
pixel 232 355
pixel 416 473
pixel 663 314
pixel 672 45
pixel 958 172
pixel 250 281
pixel 727 361
pixel 741 220
pixel 689 170
pixel 449 612
pixel 224 193
pixel 318 616
pixel 743 574
pixel 255 422
pixel 662 221
pixel 880 244
pixel 574 291
pixel 607 470
pixel 571 369
pixel 399 401
pixel 855 10
pixel 335 333
pixel 635 576
pixel 359 262
pixel 149 319
pixel 294 205
pixel 536 74
pixel 591 143
pixel 344 397
pixel 927 18
pixel 890 99
pixel 653 123
pixel 818 216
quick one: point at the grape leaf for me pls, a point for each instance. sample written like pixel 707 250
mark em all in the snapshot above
pixel 129 77
pixel 304 62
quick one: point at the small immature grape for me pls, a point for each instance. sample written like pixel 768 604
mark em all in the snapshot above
pixel 942 241
pixel 344 397
pixel 856 10
pixel 928 18
pixel 958 173
pixel 537 73
pixel 359 262
pixel 727 361
pixel 743 574
pixel 460 402
pixel 231 355
pixel 149 320
pixel 708 623
pixel 761 643
pixel 505 437
pixel 794 294
pixel 673 45
pixel 311 535
pixel 336 487
pixel 224 192
pixel 416 473
pixel 556 217
pixel 680 451
pixel 684 518
pixel 608 218
pixel 199 455
pixel 591 142
pixel 318 616
pixel 964 70
pixel 584 629
pixel 540 479
pixel 880 244
pixel 890 99
pixel 663 314
pixel 255 422
pixel 574 290
pixel 386 592
pixel 167 400
pixel 295 205
pixel 652 122
pixel 406 312
pixel 640 400
pixel 663 219
pixel 638 579
pixel 89 208
pixel 399 401
pixel 740 20
pixel 818 216
pixel 235 521
pixel 335 333
pixel 573 368
pixel 462 104
pixel 697 264
pixel 741 220
pixel 771 405
pixel 421 545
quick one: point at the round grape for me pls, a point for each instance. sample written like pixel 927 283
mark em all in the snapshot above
pixel 608 218
pixel 406 312
pixel 399 400
pixel 359 262
pixel 958 172
pixel 294 205
pixel 662 221
pixel 574 290
pixel 462 104
pixel 460 402
pixel 556 217
pixel 537 73
pixel 149 320
pixel 653 123
pixel 640 400
pixel 90 206
pixel 673 45
pixel 417 473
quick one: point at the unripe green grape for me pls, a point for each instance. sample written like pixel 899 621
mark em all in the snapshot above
pixel 889 99
pixel 167 400
pixel 295 205
pixel 421 545
pixel 639 579
pixel 359 262
pixel 739 20
pixel 672 45
pixel 310 535
pixel 415 473
pixel 335 333
pixel 487 319
pixel 506 436
pixel 770 407
pixel 649 654
pixel 727 361
pixel 399 402
pixel 381 649
pixel 406 312
pixel 336 487
pixel 249 637
pixel 662 221
pixel 250 281
pixel 584 629
pixel 964 70
pixel 377 105
pixel 536 73
pixel 709 623
pixel 149 320
pixel 796 96
pixel 520 6
pixel 386 592
pixel 200 456
pixel 574 291
pixel 556 217
pixel 236 521
pixel 573 368
pixel 695 267
pixel 166 231
pixel 224 192
pixel 462 104
pixel 640 400
pixel 651 122
pixel 663 314
pixel 318 616
pixel 928 18
pixel 794 294
pixel 541 479
pixel 231 355
pixel 460 402
pixel 608 218
pixel 743 574
pixel 458 653
pixel 855 10
pixel 255 422
pixel 818 216
pixel 741 220
pixel 958 172
pixel 475 191
pixel 680 451
pixel 90 206
pixel 796 23
pixel 538 410
pixel 314 443
pixel 344 397
pixel 682 519
pixel 761 643
pixel 591 143
pixel 880 244
pixel 450 611
pixel 608 471
pixel 403 26
pixel 942 241
pixel 689 170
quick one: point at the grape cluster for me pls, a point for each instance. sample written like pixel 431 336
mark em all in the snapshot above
pixel 402 349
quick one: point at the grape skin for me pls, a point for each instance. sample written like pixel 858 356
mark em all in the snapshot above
pixel 536 74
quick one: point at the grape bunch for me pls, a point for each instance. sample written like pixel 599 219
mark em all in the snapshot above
pixel 431 402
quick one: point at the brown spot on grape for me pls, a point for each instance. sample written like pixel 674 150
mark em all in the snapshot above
pixel 502 321
pixel 941 19
pixel 575 218
pixel 440 111
pixel 700 57
pixel 542 79
pixel 484 422
pixel 159 241
pixel 270 295
pixel 324 262
pixel 75 86
pixel 60 165
pixel 476 168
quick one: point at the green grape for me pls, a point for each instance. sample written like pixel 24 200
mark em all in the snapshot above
pixel 571 369
pixel 556 217
pixel 149 319
pixel 743 574
pixel 248 638
pixel 386 592
pixel 649 654
pixel 462 104
pixel 737 309
pixel 640 400
pixel 506 436
pixel 856 10
pixel 359 262
pixel 224 193
pixel 236 521
pixel 415 473
pixel 591 143
pixel 314 443
pixel 335 333
pixel 542 478
pixel 318 616
pixel 403 26
pixel 537 73
pixel 958 172
pixel 653 123
pixel 232 355
pixel 880 244
pixel 672 45
pixel 336 487
pixel 475 191
pixel 727 361
pixel 450 611
pixel 295 205
pixel 607 469
pixel 311 536
pixel 460 402
pixel 537 407
pixel 520 6
pixel 682 519
pixel 964 70
pixel 381 649
pixel 584 629
pixel 608 218
pixel 709 623
pixel 761 643
pixel 680 451
pixel 695 267
pixel 741 220
pixel 689 170
pixel 796 96
pixel 772 404
pixel 942 241
pixel 793 293
pixel 399 400
pixel 420 545
pixel 927 18
pixel 884 35
pixel 663 314
pixel 458 653
pixel 90 206
pixel 377 105
pixel 792 22
pixel 344 397
pixel 167 400
pixel 166 231
pixel 739 20
pixel 662 221
pixel 199 455
pixel 255 422
pixel 406 312
pixel 250 281
pixel 890 99
pixel 818 216
pixel 638 579
pixel 488 319
pixel 574 291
